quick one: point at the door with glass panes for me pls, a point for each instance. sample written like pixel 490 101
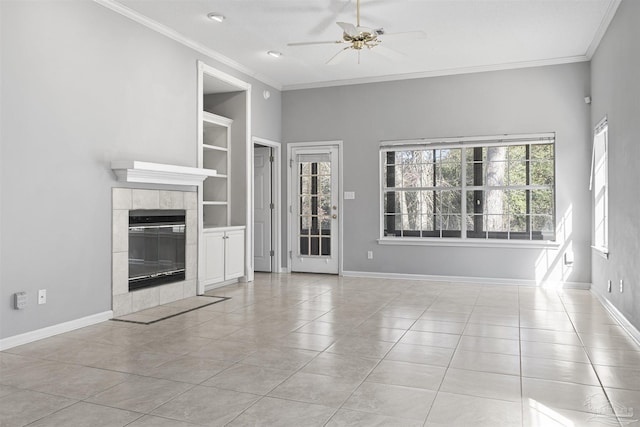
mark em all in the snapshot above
pixel 314 210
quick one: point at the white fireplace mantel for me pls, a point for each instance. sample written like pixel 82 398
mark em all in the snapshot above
pixel 157 173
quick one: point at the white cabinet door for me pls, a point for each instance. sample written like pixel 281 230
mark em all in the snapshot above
pixel 234 254
pixel 223 255
pixel 214 257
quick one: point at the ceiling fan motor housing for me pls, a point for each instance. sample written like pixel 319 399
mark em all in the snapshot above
pixel 362 40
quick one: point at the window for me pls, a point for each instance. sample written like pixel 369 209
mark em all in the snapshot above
pixel 600 187
pixel 469 188
pixel 314 180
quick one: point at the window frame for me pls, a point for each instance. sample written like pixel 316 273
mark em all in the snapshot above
pixel 600 246
pixel 465 143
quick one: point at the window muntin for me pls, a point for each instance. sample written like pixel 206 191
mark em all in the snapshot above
pixel 423 193
pixel 314 177
pixel 470 190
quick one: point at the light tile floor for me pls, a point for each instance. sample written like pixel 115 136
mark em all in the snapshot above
pixel 315 350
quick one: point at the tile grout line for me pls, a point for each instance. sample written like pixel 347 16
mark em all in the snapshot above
pixel 373 369
pixel 522 400
pixel 377 364
pixel 590 361
pixel 299 370
pixel 278 304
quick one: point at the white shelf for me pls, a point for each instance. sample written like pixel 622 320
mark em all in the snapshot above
pixel 214 147
pixel 214 228
pixel 158 173
pixel 216 119
pixel 215 152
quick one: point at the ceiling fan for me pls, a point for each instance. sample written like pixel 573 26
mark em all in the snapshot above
pixel 358 38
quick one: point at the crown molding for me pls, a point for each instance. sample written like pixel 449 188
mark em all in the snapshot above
pixel 117 7
pixel 602 29
pixel 439 73
pixel 182 39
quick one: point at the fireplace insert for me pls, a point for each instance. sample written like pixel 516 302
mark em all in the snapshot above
pixel 156 247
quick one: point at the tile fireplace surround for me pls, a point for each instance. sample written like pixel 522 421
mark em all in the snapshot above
pixel 126 199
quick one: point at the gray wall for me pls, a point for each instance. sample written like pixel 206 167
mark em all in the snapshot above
pixel 545 99
pixel 81 86
pixel 616 94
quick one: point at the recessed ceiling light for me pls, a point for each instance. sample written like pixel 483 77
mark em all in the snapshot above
pixel 216 17
pixel 274 53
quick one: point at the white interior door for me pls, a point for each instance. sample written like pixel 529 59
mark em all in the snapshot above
pixel 263 208
pixel 315 197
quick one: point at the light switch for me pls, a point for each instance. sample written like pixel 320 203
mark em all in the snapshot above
pixel 349 195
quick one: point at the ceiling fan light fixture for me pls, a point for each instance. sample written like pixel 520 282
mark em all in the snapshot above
pixel 214 16
pixel 274 53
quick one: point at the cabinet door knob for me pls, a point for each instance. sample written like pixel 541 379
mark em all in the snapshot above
pixel 334 216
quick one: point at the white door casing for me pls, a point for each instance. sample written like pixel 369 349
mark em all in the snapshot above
pixel 276 197
pixel 262 210
pixel 314 180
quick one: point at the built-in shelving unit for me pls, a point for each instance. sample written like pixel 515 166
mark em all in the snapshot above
pixel 224 129
pixel 215 154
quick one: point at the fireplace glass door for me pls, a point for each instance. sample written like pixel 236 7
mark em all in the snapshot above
pixel 156 248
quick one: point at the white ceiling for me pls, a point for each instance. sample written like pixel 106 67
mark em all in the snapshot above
pixel 461 35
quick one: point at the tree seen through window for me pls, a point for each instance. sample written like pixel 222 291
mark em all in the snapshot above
pixel 508 191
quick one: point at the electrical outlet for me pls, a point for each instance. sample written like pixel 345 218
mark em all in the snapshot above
pixel 42 296
pixel 568 258
pixel 19 300
pixel 609 286
pixel 621 286
pixel 369 254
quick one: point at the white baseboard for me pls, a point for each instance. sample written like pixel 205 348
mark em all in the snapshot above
pixel 619 317
pixel 50 331
pixel 213 286
pixel 469 279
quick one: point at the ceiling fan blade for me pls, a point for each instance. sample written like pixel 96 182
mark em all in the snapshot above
pixel 336 7
pixel 348 28
pixel 323 25
pixel 364 30
pixel 416 35
pixel 312 43
pixel 389 53
pixel 301 8
pixel 337 58
pixel 374 2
